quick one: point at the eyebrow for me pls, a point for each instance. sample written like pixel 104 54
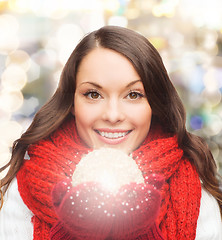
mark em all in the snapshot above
pixel 133 82
pixel 98 86
pixel 92 83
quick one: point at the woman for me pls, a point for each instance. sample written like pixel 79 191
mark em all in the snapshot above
pixel 114 91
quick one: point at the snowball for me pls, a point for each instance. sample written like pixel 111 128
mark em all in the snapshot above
pixel 110 167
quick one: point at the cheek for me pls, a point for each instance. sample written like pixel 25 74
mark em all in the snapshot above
pixel 143 124
pixel 85 113
pixel 84 119
pixel 83 116
pixel 141 116
pixel 146 118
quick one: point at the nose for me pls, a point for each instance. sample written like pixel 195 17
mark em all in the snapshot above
pixel 113 112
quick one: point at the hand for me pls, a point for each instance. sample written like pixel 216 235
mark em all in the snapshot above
pixel 136 208
pixel 90 212
pixel 83 208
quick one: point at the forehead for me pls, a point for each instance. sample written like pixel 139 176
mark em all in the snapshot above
pixel 103 64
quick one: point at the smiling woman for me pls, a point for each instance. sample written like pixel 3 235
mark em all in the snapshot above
pixel 114 92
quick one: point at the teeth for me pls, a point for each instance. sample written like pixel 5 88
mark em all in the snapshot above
pixel 112 135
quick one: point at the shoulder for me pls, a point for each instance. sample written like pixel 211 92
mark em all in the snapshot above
pixel 209 224
pixel 15 217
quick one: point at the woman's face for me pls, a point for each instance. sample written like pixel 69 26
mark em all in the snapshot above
pixel 110 105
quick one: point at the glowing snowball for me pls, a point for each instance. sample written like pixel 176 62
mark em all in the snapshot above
pixel 110 167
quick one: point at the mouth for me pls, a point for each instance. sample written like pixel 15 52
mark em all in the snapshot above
pixel 112 136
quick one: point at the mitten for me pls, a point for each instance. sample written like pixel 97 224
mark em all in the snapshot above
pixel 107 198
pixel 136 209
pixel 88 211
pixel 84 209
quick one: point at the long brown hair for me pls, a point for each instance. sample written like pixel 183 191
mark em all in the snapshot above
pixel 166 105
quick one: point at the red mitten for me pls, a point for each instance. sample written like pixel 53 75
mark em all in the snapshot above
pixel 81 209
pixel 136 209
pixel 88 211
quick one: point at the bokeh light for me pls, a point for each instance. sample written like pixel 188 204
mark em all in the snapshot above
pixel 11 100
pixel 8 38
pixel 14 78
pixel 68 35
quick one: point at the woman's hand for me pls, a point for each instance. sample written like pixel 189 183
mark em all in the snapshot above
pixel 88 211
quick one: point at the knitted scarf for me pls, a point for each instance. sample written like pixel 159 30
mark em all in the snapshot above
pixel 53 159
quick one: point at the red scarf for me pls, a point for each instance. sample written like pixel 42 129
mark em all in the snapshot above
pixel 53 159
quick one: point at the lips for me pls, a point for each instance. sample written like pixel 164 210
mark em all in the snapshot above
pixel 111 136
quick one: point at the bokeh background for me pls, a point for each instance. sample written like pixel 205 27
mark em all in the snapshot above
pixel 37 36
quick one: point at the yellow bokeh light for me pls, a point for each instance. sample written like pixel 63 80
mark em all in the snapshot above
pixel 111 5
pixel 158 42
pixel 161 11
pixel 19 58
pixel 14 78
pixel 11 101
pixel 20 6
pixel 55 9
pixel 132 13
pixel 8 38
pixel 165 8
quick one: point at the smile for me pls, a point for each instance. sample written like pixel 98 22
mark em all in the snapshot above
pixel 113 135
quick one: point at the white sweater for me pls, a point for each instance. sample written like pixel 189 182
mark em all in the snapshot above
pixel 15 218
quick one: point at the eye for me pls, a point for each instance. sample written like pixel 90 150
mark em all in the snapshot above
pixel 92 95
pixel 135 95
